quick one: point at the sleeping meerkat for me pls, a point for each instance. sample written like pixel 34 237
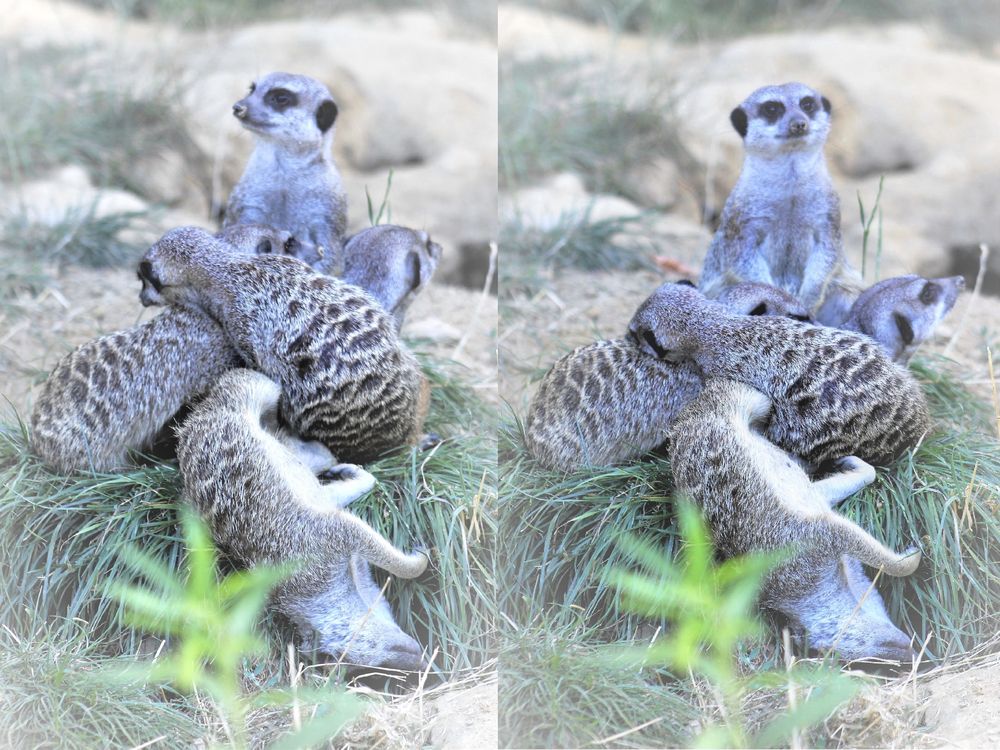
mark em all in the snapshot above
pixel 781 222
pixel 835 393
pixel 391 263
pixel 902 312
pixel 346 378
pixel 111 396
pixel 266 507
pixel 757 498
pixel 291 180
pixel 610 402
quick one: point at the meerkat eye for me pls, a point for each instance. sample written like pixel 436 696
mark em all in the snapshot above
pixel 808 104
pixel 772 110
pixel 930 293
pixel 290 244
pixel 280 99
pixel 264 247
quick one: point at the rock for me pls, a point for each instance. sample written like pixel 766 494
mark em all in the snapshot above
pixel 65 192
pixel 560 199
pixel 433 329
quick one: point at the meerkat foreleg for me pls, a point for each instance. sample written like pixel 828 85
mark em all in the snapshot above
pixel 361 539
pixel 349 483
pixel 854 477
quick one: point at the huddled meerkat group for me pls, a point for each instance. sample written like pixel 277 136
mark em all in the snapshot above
pixel 775 383
pixel 277 358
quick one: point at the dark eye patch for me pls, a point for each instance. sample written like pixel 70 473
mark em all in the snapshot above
pixel 414 262
pixel 808 105
pixel 290 245
pixel 771 111
pixel 264 247
pixel 280 99
pixel 930 293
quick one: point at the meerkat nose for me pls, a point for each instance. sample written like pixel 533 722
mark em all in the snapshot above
pixel 959 281
pixel 798 127
pixel 240 110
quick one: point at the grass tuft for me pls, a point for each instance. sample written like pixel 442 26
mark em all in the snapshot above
pixel 61 538
pixel 561 539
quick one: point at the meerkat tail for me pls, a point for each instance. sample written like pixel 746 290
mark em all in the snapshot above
pixel 851 539
pixel 749 405
pixel 377 550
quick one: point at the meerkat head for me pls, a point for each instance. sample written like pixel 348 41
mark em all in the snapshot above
pixel 360 630
pixel 902 312
pixel 660 327
pixel 294 112
pixel 259 239
pixel 774 120
pixel 755 298
pixel 174 270
pixel 845 612
pixel 392 263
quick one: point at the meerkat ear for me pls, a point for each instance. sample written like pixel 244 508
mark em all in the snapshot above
pixel 905 329
pixel 826 104
pixel 291 244
pixel 686 282
pixel 739 120
pixel 645 339
pixel 761 309
pixel 326 115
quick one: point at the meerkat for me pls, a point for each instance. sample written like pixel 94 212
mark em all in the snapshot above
pixel 265 506
pixel 112 396
pixel 347 380
pixel 902 312
pixel 609 402
pixel 291 180
pixel 391 263
pixel 757 498
pixel 835 393
pixel 781 223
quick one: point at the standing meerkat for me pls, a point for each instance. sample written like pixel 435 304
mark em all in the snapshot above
pixel 610 402
pixel 835 392
pixel 757 498
pixel 265 506
pixel 291 180
pixel 391 263
pixel 112 396
pixel 781 223
pixel 346 378
pixel 902 312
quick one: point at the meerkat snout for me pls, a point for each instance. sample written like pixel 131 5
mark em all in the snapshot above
pixel 240 110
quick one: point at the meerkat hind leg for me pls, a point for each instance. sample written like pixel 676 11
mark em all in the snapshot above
pixel 349 483
pixel 379 551
pixel 854 477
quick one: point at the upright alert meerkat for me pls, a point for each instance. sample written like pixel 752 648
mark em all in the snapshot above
pixel 265 506
pixel 111 396
pixel 346 378
pixel 835 393
pixel 291 181
pixel 391 263
pixel 610 402
pixel 756 498
pixel 781 222
pixel 902 312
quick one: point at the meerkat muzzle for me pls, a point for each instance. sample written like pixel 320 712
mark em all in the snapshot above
pixel 240 110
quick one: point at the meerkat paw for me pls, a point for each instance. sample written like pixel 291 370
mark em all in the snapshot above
pixel 346 483
pixel 853 475
pixel 429 440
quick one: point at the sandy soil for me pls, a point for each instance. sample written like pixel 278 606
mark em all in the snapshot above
pixel 964 708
